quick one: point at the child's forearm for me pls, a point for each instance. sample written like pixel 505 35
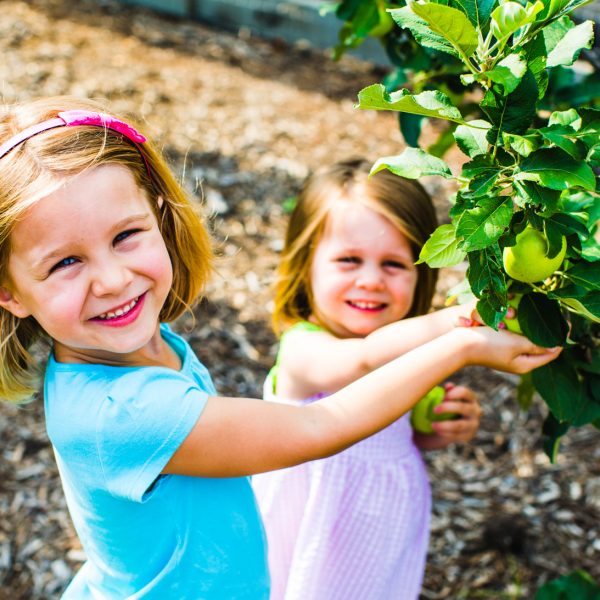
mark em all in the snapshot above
pixel 400 337
pixel 372 402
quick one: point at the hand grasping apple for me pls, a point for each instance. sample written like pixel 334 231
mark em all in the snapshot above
pixel 462 403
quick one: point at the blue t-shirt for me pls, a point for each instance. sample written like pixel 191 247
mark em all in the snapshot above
pixel 148 535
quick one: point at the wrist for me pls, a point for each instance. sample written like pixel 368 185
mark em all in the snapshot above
pixel 465 342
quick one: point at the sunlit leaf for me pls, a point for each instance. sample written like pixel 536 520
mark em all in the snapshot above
pixel 428 104
pixel 449 23
pixel 441 249
pixel 413 163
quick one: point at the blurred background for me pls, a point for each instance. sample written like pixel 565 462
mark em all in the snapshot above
pixel 245 100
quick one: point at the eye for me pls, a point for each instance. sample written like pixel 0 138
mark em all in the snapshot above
pixel 353 260
pixel 61 264
pixel 124 235
pixel 394 264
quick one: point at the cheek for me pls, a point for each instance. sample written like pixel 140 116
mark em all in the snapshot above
pixel 157 264
pixel 61 306
pixel 405 287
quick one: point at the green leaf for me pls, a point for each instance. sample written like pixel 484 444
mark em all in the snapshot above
pixel 508 72
pixel 522 144
pixel 486 276
pixel 413 163
pixel 441 249
pixel 531 194
pixel 560 136
pixel 536 53
pixel 554 33
pixel 512 113
pixel 525 391
pixel 552 8
pixel 552 431
pixel 568 224
pixel 541 320
pixel 486 308
pixel 483 225
pixel 429 103
pixel 483 184
pixel 560 387
pixel 410 127
pixel 585 274
pixel 471 137
pixel 478 11
pixel 555 169
pixel 558 8
pixel 478 166
pixel 577 585
pixel 569 47
pixel 587 305
pixel 450 23
pixel 444 141
pixel 421 31
pixel 568 118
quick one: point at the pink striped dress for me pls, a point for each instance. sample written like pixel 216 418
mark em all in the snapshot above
pixel 354 526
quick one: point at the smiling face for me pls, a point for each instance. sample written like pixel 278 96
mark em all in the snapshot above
pixel 362 273
pixel 89 263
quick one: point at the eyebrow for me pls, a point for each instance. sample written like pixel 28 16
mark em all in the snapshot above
pixel 62 250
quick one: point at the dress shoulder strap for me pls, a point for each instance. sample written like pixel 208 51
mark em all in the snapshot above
pixel 299 326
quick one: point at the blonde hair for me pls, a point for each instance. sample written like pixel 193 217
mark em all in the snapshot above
pixel 42 164
pixel 404 202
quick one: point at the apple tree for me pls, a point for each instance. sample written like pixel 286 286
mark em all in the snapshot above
pixel 525 216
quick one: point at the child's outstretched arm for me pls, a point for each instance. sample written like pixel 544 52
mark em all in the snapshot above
pixel 235 436
pixel 320 362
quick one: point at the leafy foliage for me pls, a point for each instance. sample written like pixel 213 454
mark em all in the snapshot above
pixel 577 584
pixel 533 151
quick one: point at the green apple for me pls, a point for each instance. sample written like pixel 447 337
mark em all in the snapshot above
pixel 527 260
pixel 513 324
pixel 423 415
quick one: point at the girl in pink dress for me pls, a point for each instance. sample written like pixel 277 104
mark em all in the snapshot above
pixel 350 298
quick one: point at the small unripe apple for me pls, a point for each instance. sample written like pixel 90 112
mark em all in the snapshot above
pixel 423 414
pixel 527 260
pixel 513 324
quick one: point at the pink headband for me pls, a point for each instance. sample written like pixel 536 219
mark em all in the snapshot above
pixel 70 118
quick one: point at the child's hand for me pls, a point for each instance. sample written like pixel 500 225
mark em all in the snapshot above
pixel 459 400
pixel 505 351
pixel 462 401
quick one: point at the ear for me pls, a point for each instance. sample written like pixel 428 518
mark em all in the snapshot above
pixel 12 304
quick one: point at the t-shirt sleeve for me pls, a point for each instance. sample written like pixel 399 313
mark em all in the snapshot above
pixel 143 422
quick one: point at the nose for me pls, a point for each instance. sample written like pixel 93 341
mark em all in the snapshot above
pixel 369 278
pixel 110 277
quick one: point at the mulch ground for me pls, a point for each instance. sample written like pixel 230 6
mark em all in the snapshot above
pixel 243 121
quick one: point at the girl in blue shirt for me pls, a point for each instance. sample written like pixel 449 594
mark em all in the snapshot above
pixel 99 247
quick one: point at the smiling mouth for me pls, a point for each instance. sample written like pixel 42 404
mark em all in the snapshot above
pixel 366 306
pixel 119 312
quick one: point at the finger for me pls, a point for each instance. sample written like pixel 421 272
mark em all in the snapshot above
pixel 464 410
pixel 511 313
pixel 449 386
pixel 527 362
pixel 455 430
pixel 460 392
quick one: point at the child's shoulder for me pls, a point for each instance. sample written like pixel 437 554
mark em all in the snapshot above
pixel 301 326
